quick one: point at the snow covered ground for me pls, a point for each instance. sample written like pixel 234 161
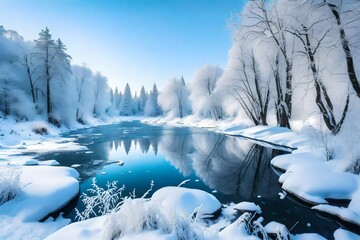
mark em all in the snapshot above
pixel 41 187
pixel 168 215
pixel 43 190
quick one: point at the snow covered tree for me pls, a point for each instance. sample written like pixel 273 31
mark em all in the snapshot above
pixel 312 34
pixel 174 99
pixel 117 99
pixel 136 104
pixel 126 104
pixel 205 101
pixel 102 96
pixel 142 99
pixel 46 50
pixel 14 89
pixel 152 107
pixel 54 64
pixel 335 7
pixel 262 19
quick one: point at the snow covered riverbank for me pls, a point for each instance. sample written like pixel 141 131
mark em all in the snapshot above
pixel 309 174
pixel 36 188
pixel 266 135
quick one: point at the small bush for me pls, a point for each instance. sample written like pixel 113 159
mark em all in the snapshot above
pixel 354 167
pixel 9 183
pixel 100 201
pixel 40 128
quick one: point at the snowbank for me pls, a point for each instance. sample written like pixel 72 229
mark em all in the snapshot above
pixel 342 234
pixel 311 178
pixel 166 216
pixel 278 136
pixel 44 189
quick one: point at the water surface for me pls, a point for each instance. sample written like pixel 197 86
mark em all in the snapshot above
pixel 232 169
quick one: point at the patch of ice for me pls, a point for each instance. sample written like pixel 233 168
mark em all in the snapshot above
pixel 31 162
pixel 49 163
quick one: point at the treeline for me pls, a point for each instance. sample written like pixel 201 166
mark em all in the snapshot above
pixel 290 61
pixel 38 81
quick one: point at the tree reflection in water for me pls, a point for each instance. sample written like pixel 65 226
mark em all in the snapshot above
pixel 231 165
pixel 177 149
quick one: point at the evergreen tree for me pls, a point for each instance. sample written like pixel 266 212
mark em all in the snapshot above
pixel 126 104
pixel 142 100
pixel 117 99
pixel 46 45
pixel 54 63
pixel 152 107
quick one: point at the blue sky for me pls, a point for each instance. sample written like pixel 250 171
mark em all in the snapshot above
pixel 135 41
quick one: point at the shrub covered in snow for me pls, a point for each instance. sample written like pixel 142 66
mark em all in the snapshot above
pixel 100 201
pixel 139 215
pixel 9 183
pixel 40 127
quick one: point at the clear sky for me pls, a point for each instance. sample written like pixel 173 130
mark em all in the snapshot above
pixel 135 41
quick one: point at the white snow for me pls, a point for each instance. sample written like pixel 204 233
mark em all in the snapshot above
pixel 307 236
pixel 12 228
pixel 319 184
pixel 247 206
pixel 271 135
pixel 186 200
pixel 89 229
pixel 44 189
pixel 237 229
pixel 341 234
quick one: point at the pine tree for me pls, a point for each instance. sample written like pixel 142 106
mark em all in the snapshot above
pixel 54 63
pixel 152 107
pixel 126 104
pixel 46 45
pixel 142 100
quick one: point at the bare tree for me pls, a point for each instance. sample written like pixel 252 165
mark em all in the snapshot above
pixel 250 91
pixel 268 23
pixel 323 100
pixel 345 46
pixel 26 63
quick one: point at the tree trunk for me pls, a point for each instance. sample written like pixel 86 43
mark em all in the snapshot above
pixel 282 102
pixel 345 45
pixel 326 108
pixel 28 71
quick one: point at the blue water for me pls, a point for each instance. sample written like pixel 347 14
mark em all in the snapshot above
pixel 232 169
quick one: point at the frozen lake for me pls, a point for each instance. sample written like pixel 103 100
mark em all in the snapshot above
pixel 232 169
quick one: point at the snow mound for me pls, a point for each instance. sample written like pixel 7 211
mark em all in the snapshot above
pixel 342 234
pixel 236 230
pixel 319 184
pixel 247 206
pixel 186 200
pixel 88 229
pixel 44 190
